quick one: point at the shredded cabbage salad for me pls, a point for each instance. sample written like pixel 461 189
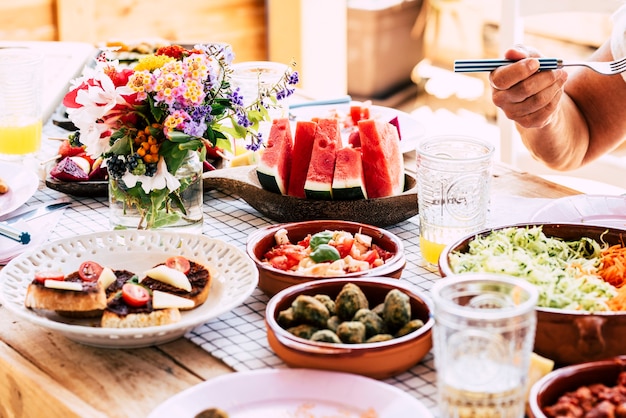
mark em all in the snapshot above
pixel 565 272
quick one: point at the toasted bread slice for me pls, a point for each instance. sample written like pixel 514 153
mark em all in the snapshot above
pixel 86 303
pixel 157 317
pixel 200 279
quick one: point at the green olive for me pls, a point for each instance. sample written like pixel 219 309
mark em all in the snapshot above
pixel 320 238
pixel 325 252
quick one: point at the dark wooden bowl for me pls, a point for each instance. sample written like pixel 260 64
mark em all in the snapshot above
pixel 385 211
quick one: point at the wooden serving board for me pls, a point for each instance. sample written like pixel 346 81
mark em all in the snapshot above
pixel 381 212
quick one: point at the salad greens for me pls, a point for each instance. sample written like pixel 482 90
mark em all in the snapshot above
pixel 565 272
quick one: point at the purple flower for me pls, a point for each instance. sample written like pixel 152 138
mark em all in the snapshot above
pixel 242 118
pixel 236 98
pixel 195 128
pixel 293 78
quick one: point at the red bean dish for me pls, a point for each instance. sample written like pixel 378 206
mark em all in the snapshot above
pixel 593 401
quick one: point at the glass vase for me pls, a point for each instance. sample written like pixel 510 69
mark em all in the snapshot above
pixel 132 208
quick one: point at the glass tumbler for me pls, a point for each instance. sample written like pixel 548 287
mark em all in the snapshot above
pixel 453 187
pixel 483 339
pixel 21 83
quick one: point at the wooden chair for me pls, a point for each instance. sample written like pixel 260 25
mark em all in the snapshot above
pixel 512 31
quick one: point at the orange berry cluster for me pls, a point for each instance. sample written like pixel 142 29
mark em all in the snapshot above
pixel 148 145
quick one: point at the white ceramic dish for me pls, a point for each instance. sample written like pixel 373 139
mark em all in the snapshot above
pixel 235 278
pixel 293 393
pixel 603 210
pixel 410 129
pixel 22 183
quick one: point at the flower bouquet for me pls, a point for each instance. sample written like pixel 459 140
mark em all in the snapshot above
pixel 152 126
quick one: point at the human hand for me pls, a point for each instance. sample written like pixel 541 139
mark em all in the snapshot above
pixel 526 95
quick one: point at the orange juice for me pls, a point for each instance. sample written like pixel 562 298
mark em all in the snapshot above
pixel 18 139
pixel 430 250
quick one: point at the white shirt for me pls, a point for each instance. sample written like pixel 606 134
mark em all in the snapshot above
pixel 618 35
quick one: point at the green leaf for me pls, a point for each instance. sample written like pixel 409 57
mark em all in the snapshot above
pixel 177 136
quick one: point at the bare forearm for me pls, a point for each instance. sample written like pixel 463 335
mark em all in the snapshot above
pixel 562 143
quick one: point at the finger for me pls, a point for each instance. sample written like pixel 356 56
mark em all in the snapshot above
pixel 536 110
pixel 507 76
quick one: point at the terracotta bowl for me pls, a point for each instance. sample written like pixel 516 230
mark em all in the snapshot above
pixel 378 360
pixel 551 387
pixel 273 280
pixel 568 336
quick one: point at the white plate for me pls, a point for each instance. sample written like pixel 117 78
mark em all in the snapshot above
pixel 22 183
pixel 589 209
pixel 410 129
pixel 293 393
pixel 235 279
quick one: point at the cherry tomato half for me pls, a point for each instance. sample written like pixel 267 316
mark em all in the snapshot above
pixel 89 271
pixel 179 263
pixel 42 276
pixel 135 294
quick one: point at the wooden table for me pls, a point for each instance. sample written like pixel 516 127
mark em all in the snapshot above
pixel 45 374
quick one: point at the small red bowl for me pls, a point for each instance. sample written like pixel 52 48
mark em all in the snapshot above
pixel 551 387
pixel 273 280
pixel 378 360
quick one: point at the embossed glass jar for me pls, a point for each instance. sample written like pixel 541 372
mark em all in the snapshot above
pixel 132 207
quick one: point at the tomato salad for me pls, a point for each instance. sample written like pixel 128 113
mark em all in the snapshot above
pixel 326 254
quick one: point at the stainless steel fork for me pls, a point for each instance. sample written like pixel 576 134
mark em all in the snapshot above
pixel 482 65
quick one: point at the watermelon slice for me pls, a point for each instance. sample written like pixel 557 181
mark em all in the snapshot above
pixel 348 181
pixel 319 177
pixel 302 148
pixel 383 163
pixel 275 163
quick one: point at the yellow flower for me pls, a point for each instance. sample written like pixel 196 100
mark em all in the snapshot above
pixel 152 62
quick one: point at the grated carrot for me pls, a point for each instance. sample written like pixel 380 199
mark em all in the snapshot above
pixel 613 271
pixel 613 262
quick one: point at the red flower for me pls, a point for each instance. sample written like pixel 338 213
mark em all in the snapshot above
pixel 173 51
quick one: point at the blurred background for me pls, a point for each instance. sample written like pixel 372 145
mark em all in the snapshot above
pixel 397 53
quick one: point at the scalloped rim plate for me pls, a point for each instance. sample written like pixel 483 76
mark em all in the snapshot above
pixel 235 278
pixel 23 184
pixel 292 393
pixel 411 130
pixel 603 210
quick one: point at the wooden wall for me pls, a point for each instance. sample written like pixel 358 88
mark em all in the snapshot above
pixel 241 23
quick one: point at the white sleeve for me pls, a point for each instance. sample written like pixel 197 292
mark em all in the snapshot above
pixel 618 35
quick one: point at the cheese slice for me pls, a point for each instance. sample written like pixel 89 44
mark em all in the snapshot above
pixel 539 367
pixel 107 277
pixel 163 300
pixel 169 276
pixel 63 285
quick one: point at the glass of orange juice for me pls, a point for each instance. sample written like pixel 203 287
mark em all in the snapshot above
pixel 21 78
pixel 453 187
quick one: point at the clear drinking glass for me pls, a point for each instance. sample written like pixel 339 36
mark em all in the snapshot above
pixel 21 82
pixel 255 80
pixel 483 339
pixel 453 186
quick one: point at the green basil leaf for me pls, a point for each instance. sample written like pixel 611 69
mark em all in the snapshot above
pixel 323 237
pixel 325 252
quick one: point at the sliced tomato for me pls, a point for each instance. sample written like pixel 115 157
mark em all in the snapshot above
pixel 178 262
pixel 89 271
pixel 67 150
pixel 285 256
pixel 382 253
pixel 344 246
pixel 42 276
pixel 370 256
pixel 282 262
pixel 306 241
pixel 135 294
